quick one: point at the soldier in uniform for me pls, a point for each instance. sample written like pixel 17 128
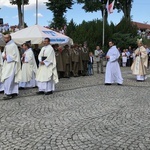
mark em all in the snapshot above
pixel 75 60
pixel 85 58
pixel 66 57
pixel 71 56
pixel 80 60
pixel 59 61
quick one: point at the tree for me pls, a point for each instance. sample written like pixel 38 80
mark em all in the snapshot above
pixel 125 6
pixel 126 26
pixel 94 5
pixel 19 3
pixel 125 33
pixel 71 27
pixel 59 7
pixel 90 31
pixel 124 40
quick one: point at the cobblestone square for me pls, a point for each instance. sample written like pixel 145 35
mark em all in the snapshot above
pixel 82 114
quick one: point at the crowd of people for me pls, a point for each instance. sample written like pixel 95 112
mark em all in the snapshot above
pixel 139 63
pixel 7 28
pixel 127 56
pixel 27 67
pixel 4 28
pixel 23 67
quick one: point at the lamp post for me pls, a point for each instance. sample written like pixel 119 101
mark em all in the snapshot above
pixel 36 12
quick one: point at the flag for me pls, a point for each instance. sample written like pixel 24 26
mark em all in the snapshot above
pixel 110 7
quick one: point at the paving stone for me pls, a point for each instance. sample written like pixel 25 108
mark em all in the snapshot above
pixel 82 114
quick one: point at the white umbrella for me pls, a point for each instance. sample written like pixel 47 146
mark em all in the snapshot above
pixel 36 35
pixel 2 42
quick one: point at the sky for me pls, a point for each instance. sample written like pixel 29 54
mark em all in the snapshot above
pixel 140 13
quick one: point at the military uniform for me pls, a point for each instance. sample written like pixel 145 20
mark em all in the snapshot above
pixel 59 62
pixel 85 59
pixel 66 57
pixel 75 60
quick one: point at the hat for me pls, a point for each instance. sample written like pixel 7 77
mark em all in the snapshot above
pixel 139 41
pixel 66 46
pixel 28 42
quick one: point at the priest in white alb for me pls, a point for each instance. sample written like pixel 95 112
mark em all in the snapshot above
pixel 139 65
pixel 1 65
pixel 29 68
pixel 113 72
pixel 46 76
pixel 11 71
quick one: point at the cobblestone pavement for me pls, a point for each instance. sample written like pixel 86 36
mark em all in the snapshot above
pixel 83 114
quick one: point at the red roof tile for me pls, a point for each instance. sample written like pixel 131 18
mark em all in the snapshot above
pixel 141 25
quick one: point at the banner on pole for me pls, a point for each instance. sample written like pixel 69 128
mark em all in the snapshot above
pixel 110 7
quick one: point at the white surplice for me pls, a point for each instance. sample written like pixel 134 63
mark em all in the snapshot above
pixel 46 76
pixel 113 72
pixel 29 69
pixel 11 71
pixel 1 65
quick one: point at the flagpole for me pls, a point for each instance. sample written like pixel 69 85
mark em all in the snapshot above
pixel 36 12
pixel 103 37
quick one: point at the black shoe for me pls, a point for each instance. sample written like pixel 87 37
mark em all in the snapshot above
pixel 7 97
pixel 21 88
pixel 40 93
pixel 107 83
pixel 14 95
pixel 119 84
pixel 35 87
pixel 48 93
pixel 140 80
pixel 1 91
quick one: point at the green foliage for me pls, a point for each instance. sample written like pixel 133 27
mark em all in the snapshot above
pixel 124 40
pixel 126 26
pixel 19 2
pixel 95 5
pixel 124 34
pixel 92 5
pixel 124 6
pixel 59 7
pixel 88 31
pixel 71 28
pixel 146 42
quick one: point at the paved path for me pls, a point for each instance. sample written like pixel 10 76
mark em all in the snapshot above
pixel 83 114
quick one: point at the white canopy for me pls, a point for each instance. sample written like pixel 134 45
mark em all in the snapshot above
pixel 2 42
pixel 37 34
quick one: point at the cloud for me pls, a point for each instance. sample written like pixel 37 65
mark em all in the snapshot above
pixel 31 5
pixel 39 15
pixel 5 3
